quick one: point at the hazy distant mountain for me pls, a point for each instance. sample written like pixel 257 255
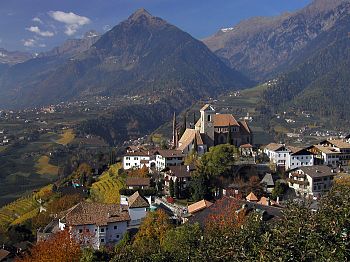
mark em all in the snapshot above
pixel 74 46
pixel 263 46
pixel 13 57
pixel 142 55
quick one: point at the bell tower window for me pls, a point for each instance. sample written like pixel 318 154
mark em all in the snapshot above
pixel 209 118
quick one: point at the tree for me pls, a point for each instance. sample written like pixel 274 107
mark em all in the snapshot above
pixel 229 136
pixel 180 244
pixel 279 190
pixel 199 187
pixel 171 188
pixel 60 247
pixel 152 232
pixel 177 189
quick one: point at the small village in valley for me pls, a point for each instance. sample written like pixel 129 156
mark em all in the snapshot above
pixel 208 166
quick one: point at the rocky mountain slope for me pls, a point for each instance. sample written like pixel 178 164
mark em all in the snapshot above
pixel 265 46
pixel 13 57
pixel 142 55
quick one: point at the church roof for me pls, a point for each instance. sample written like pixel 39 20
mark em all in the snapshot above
pixel 188 137
pixel 225 120
pixel 206 107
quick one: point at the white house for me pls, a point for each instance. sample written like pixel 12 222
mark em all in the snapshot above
pixel 278 154
pixel 167 158
pixel 326 155
pixel 138 208
pixel 138 159
pixel 299 157
pixel 311 180
pixel 342 146
pixel 96 224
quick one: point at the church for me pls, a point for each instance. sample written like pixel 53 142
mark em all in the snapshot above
pixel 213 129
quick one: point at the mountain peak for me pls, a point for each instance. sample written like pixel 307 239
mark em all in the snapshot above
pixel 142 12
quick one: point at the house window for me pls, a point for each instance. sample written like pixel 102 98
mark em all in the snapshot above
pixel 115 227
pixel 80 231
pixel 87 230
pixel 102 240
pixel 118 236
pixel 102 230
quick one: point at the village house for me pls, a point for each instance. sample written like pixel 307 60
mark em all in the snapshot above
pixel 138 207
pixel 168 158
pixel 198 206
pixel 311 181
pixel 182 174
pixel 96 224
pixel 138 182
pixel 342 146
pixel 278 154
pixel 299 157
pixel 136 159
pixel 213 129
pixel 325 155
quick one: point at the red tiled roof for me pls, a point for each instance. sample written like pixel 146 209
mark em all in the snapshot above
pixel 225 120
pixel 136 200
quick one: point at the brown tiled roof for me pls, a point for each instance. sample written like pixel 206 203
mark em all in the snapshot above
pixel 245 126
pixel 317 171
pixel 188 137
pixel 251 197
pixel 326 149
pixel 200 205
pixel 138 153
pixel 3 254
pixel 273 146
pixel 246 146
pixel 99 214
pixel 180 171
pixel 138 181
pixel 170 153
pixel 225 120
pixel 136 200
pixel 294 149
pixel 339 143
pixel 264 201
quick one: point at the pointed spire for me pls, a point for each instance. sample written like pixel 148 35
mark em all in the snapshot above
pixel 175 133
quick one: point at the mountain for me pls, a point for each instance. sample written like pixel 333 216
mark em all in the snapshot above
pixel 142 55
pixel 262 47
pixel 74 46
pixel 13 57
pixel 321 82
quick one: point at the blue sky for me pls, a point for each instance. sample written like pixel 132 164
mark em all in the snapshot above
pixel 38 25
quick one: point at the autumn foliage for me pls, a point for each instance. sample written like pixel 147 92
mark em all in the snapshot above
pixel 59 248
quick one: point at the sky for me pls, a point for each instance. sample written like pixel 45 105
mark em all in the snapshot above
pixel 39 25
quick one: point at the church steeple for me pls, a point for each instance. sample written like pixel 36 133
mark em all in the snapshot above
pixel 175 132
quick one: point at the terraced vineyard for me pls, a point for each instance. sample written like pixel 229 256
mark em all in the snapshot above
pixel 22 209
pixel 106 190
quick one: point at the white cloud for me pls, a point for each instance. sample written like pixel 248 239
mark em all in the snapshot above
pixel 38 20
pixel 37 30
pixel 32 42
pixel 72 21
pixel 29 42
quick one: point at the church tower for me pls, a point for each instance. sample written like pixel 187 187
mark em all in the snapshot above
pixel 175 133
pixel 207 123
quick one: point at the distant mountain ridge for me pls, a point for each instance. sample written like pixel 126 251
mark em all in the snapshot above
pixel 13 57
pixel 265 46
pixel 142 55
